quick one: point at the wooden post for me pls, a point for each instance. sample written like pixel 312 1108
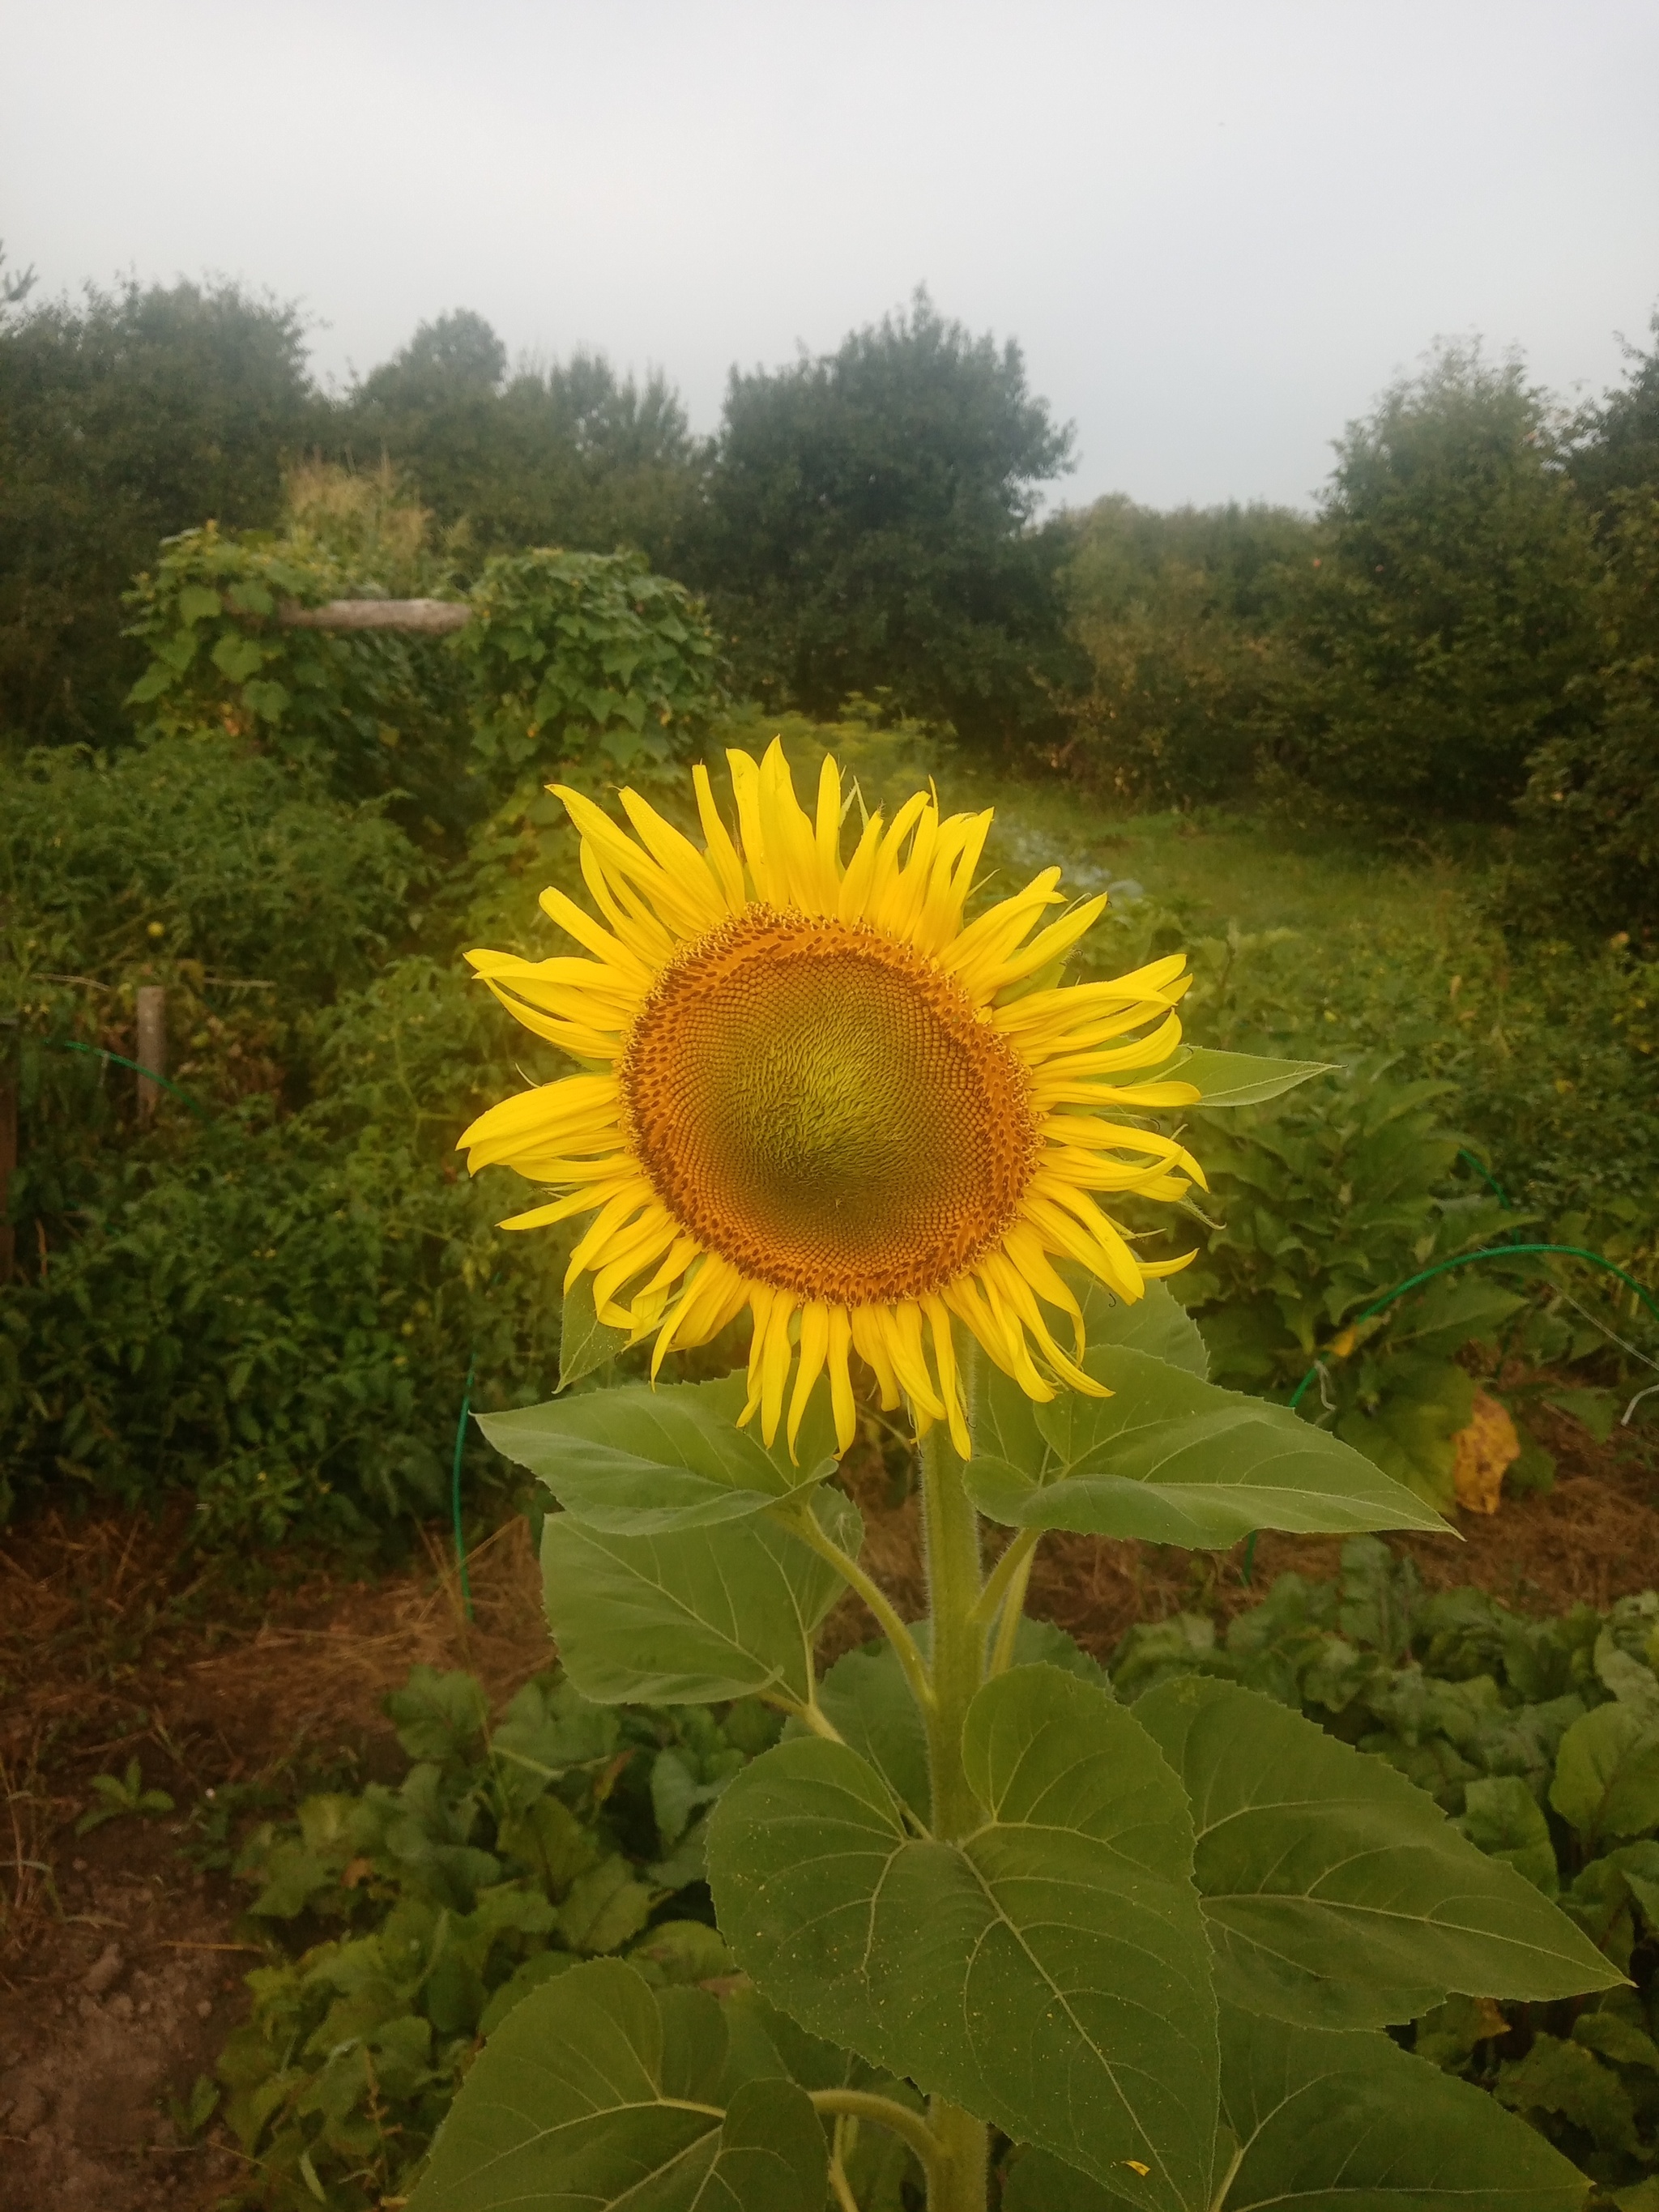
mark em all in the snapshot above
pixel 8 1162
pixel 425 618
pixel 152 1045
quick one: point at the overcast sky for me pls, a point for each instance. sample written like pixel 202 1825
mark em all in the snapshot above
pixel 1217 226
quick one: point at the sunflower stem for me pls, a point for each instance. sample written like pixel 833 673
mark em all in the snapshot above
pixel 951 1530
pixel 804 1524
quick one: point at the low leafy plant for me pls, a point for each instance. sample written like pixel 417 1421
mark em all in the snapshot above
pixel 1540 1739
pixel 121 1797
pixel 587 655
pixel 406 1922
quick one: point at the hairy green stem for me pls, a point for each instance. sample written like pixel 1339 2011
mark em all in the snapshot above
pixel 804 1523
pixel 886 2111
pixel 1219 2199
pixel 960 2182
pixel 1013 1609
pixel 1013 1560
pixel 951 1529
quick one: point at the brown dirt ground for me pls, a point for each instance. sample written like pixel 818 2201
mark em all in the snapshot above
pixel 121 1963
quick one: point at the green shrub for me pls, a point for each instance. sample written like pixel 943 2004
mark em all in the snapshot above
pixel 510 1851
pixel 587 655
pixel 197 848
pixel 279 1315
pixel 371 713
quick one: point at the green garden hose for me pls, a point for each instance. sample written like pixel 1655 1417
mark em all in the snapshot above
pixel 98 1052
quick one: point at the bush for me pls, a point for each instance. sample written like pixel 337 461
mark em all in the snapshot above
pixel 279 1315
pixel 1592 796
pixel 124 417
pixel 1178 614
pixel 508 1853
pixel 1437 639
pixel 196 848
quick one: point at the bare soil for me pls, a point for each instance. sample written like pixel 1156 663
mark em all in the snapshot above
pixel 122 1959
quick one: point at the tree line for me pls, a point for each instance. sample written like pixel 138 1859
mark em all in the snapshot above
pixel 1464 629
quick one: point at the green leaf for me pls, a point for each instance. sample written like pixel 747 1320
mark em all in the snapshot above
pixel 1567 2078
pixel 238 657
pixel 438 1716
pixel 1425 1401
pixel 867 1700
pixel 640 1461
pixel 1240 1078
pixel 1336 1894
pixel 1157 1323
pixel 585 1341
pixel 1502 1818
pixel 1048 1972
pixel 1607 1774
pixel 694 1616
pixel 1330 2123
pixel 1172 1460
pixel 592 2093
pixel 196 603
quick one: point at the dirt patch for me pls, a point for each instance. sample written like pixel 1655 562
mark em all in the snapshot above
pixel 121 1958
pixel 120 1961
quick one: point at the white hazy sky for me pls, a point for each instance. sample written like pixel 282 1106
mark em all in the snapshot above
pixel 1217 226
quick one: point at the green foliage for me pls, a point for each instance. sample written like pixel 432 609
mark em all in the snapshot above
pixel 1456 597
pixel 869 530
pixel 116 1796
pixel 574 654
pixel 125 417
pixel 970 1862
pixel 278 1314
pixel 1593 794
pixel 369 712
pixel 569 455
pixel 196 849
pixel 1178 614
pixel 1541 1740
pixel 506 1855
pixel 1167 1457
pixel 1618 446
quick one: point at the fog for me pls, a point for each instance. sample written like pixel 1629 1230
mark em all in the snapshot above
pixel 1216 230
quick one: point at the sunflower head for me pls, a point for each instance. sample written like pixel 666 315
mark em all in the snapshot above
pixel 814 1092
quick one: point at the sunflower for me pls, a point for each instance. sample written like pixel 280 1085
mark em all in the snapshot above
pixel 814 1092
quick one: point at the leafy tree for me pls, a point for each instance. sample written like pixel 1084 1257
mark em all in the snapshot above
pixel 125 418
pixel 1592 793
pixel 568 455
pixel 870 528
pixel 1177 614
pixel 1620 442
pixel 1437 632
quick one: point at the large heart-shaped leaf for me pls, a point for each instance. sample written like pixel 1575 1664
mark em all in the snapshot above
pixel 1336 1893
pixel 640 1461
pixel 1333 2123
pixel 594 2093
pixel 1048 1972
pixel 1172 1460
pixel 1606 1773
pixel 696 1614
pixel 866 1698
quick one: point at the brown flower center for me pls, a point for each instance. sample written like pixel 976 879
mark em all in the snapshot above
pixel 823 1107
